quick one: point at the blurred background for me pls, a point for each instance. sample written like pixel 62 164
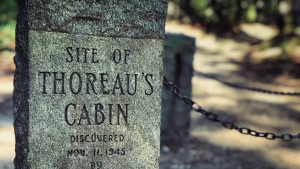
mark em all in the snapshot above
pixel 8 14
pixel 251 42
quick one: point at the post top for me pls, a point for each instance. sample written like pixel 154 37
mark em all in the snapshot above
pixel 130 18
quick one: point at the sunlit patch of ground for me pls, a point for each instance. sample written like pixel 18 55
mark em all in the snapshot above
pixel 259 31
pixel 7 138
pixel 7 145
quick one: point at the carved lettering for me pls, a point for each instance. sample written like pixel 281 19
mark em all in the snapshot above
pixel 96 114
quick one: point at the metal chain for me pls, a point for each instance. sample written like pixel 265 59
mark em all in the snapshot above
pixel 227 124
pixel 238 86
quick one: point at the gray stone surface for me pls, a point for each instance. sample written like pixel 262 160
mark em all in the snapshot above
pixel 130 18
pixel 175 113
pixel 78 64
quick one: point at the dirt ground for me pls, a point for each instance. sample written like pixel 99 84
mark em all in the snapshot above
pixel 234 58
pixel 7 139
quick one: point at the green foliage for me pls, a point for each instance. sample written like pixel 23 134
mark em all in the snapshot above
pixel 230 12
pixel 210 11
pixel 8 11
pixel 199 7
pixel 7 35
pixel 8 14
pixel 297 31
pixel 251 13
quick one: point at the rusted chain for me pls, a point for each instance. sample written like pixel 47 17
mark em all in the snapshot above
pixel 238 86
pixel 227 124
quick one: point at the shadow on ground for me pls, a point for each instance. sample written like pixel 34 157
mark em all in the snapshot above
pixel 200 154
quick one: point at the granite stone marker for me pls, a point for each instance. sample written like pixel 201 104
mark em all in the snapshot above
pixel 175 123
pixel 88 83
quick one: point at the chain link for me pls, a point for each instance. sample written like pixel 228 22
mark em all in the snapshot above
pixel 229 125
pixel 238 86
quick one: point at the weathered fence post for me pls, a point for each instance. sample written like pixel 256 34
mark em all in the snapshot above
pixel 88 83
pixel 175 113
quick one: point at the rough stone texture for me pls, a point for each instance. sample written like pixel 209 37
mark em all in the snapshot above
pixel 21 89
pixel 130 18
pixel 45 30
pixel 175 113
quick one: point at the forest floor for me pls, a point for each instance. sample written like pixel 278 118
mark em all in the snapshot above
pixel 233 57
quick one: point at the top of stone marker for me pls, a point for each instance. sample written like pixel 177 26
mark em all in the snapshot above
pixel 114 18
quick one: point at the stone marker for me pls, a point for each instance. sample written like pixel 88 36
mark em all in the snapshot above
pixel 175 113
pixel 88 83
